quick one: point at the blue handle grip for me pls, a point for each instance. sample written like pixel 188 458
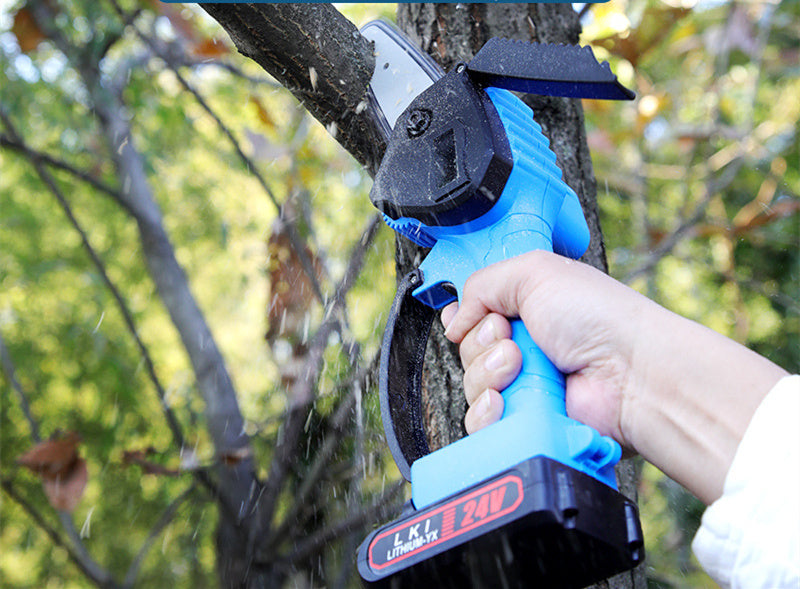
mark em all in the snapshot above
pixel 540 385
pixel 536 210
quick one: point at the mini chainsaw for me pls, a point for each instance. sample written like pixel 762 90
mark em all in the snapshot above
pixel 531 500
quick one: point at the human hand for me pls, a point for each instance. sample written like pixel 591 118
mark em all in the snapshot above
pixel 584 321
pixel 670 389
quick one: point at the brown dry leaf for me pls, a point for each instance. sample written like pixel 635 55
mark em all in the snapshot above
pixel 64 492
pixel 52 458
pixel 263 114
pixel 656 235
pixel 234 457
pixel 209 49
pixel 139 457
pixel 27 31
pixel 291 290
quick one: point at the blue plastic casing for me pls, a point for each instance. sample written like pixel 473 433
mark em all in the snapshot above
pixel 536 210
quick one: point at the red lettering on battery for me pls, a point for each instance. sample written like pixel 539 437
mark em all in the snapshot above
pixel 448 522
pixel 432 527
pixel 497 498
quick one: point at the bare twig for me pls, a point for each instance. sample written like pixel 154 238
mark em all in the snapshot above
pixel 302 391
pixel 317 542
pixel 99 265
pixel 713 188
pixel 17 145
pixel 10 372
pixel 293 234
pixel 179 56
pixel 584 10
pixel 336 431
pixel 109 39
pixel 166 517
pixel 81 559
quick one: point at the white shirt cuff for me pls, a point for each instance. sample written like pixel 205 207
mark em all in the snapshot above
pixel 750 537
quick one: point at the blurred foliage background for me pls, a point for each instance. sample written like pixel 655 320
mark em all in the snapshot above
pixel 698 184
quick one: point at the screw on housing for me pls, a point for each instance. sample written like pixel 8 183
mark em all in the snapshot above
pixel 418 122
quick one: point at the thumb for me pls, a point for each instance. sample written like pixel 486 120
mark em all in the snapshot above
pixel 500 288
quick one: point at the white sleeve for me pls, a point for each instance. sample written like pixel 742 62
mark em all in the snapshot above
pixel 750 537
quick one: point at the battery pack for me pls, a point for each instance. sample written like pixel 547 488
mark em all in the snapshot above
pixel 538 524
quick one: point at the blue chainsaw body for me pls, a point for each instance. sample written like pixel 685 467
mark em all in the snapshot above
pixel 530 500
pixel 536 210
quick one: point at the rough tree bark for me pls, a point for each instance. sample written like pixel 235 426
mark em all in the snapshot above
pixel 291 40
pixel 452 33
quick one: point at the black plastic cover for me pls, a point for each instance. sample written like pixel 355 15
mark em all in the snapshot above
pixel 448 158
pixel 402 357
pixel 545 69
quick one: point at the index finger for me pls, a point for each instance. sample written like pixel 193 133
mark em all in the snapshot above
pixel 491 289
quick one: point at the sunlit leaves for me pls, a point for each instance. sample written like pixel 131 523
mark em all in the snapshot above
pixel 698 183
pixel 72 349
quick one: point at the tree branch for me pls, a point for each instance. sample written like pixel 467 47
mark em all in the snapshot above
pixel 332 439
pixel 713 187
pixel 291 40
pixel 301 394
pixel 315 543
pixel 225 423
pixel 122 305
pixel 8 368
pixel 163 522
pixel 81 559
pixel 293 234
pixel 19 146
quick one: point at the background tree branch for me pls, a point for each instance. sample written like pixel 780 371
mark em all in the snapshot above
pixel 320 57
pixel 78 555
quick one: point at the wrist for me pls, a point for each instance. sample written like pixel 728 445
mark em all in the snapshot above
pixel 693 394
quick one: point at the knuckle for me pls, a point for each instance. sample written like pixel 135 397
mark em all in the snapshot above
pixel 472 388
pixel 502 326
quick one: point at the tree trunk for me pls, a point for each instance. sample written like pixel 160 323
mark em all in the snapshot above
pixel 452 33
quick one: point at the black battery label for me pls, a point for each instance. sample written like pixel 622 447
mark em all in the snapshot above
pixel 445 522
